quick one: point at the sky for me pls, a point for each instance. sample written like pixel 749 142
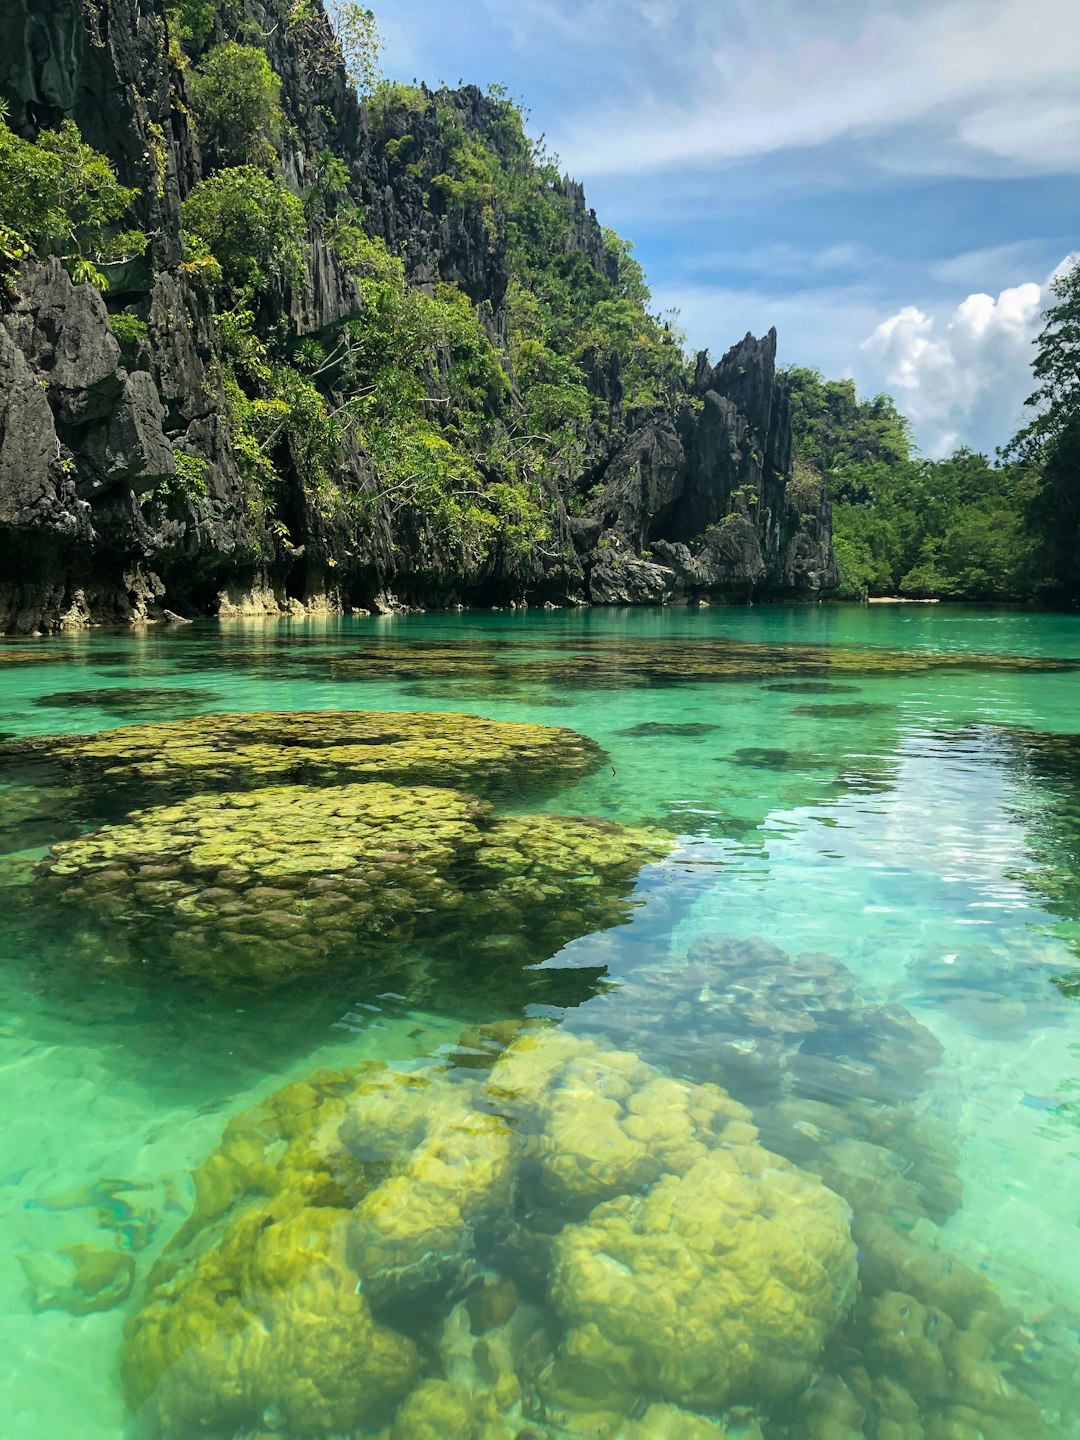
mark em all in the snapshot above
pixel 892 185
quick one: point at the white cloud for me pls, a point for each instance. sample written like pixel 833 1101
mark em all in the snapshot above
pixel 961 86
pixel 964 378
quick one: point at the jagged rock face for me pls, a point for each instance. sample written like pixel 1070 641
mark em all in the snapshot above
pixel 696 505
pixel 689 503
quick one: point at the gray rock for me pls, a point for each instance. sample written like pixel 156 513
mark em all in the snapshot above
pixel 63 331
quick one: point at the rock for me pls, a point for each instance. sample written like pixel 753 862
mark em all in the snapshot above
pixel 170 617
pixel 86 440
pixel 81 1279
pixel 63 331
pixel 133 451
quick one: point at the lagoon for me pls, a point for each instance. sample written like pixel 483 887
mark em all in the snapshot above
pixel 860 929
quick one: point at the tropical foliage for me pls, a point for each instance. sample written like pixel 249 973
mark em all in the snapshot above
pixel 956 528
pixel 236 99
pixel 1050 441
pixel 59 197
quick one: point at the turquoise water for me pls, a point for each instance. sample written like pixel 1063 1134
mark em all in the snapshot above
pixel 873 886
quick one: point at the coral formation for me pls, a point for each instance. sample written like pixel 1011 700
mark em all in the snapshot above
pixel 11 655
pixel 136 702
pixel 318 748
pixel 756 1020
pixel 267 884
pixel 687 730
pixel 269 1321
pixel 610 663
pixel 718 1285
pixel 343 1233
pixel 851 710
pixel 765 757
pixel 81 1279
pixel 811 687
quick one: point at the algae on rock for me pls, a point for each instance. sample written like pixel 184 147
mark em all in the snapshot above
pixel 318 747
pixel 337 1226
pixel 275 883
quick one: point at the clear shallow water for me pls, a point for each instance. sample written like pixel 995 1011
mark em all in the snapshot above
pixel 901 818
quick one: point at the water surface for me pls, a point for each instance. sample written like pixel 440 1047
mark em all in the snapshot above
pixel 866 933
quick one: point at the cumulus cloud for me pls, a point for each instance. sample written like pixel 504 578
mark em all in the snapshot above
pixel 962 377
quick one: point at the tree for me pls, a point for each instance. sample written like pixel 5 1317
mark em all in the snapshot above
pixel 1051 440
pixel 251 225
pixel 357 33
pixel 236 97
pixel 60 197
pixel 1056 367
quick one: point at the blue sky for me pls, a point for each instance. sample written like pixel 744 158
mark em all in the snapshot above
pixel 891 184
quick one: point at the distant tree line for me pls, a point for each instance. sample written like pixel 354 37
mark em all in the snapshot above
pixel 966 527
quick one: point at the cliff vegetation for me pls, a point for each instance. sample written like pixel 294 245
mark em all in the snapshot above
pixel 270 341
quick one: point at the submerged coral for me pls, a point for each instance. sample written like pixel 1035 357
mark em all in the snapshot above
pixel 765 757
pixel 81 1279
pixel 811 687
pixel 268 884
pixel 609 663
pixel 11 655
pixel 844 710
pixel 746 1014
pixel 718 1285
pixel 324 747
pixel 570 1243
pixel 135 701
pixel 268 1320
pixel 329 1271
pixel 686 730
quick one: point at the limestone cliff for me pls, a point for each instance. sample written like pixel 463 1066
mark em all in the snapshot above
pixel 663 502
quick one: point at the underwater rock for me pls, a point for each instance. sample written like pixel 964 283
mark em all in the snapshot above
pixel 689 730
pixel 774 758
pixel 81 1279
pixel 316 748
pixel 811 687
pixel 669 1422
pixel 607 663
pixel 486 691
pixel 138 702
pixel 269 884
pixel 854 710
pixel 11 655
pixel 718 1285
pixel 435 1410
pixel 745 1014
pixel 336 1227
pixel 888 1159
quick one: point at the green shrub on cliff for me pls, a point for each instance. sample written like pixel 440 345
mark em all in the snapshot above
pixel 1050 442
pixel 59 197
pixel 236 97
pixel 191 22
pixel 251 224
